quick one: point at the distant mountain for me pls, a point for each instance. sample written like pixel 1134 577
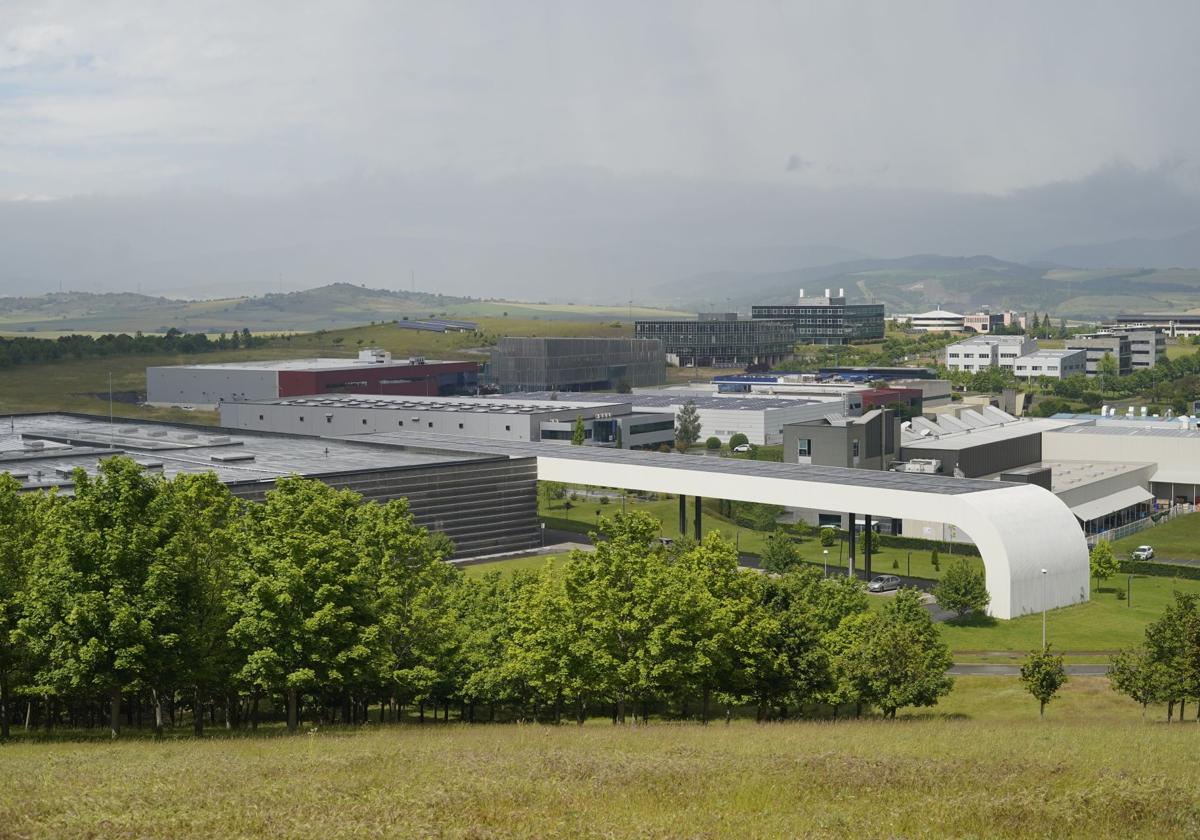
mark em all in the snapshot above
pixel 1182 251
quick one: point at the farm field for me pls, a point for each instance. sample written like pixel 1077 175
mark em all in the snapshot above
pixel 978 765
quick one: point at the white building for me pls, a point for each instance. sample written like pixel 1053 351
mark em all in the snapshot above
pixel 937 320
pixel 1053 364
pixel 982 352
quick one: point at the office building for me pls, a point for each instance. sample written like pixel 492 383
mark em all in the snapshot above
pixel 1052 364
pixel 577 364
pixel 1099 345
pixel 937 320
pixel 1171 324
pixel 828 319
pixel 373 372
pixel 1146 347
pixel 982 352
pixel 486 504
pixel 721 341
pixel 610 421
pixel 870 441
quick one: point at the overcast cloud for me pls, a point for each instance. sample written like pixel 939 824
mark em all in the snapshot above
pixel 523 147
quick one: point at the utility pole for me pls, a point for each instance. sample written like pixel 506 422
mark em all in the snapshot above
pixel 111 430
pixel 1043 609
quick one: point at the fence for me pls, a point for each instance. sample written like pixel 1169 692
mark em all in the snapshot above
pixel 1141 525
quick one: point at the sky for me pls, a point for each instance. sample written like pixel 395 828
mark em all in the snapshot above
pixel 553 147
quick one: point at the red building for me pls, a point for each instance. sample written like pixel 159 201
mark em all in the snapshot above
pixel 909 399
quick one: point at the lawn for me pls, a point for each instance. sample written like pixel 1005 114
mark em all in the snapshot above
pixel 514 564
pixel 1178 539
pixel 1102 624
pixel 981 765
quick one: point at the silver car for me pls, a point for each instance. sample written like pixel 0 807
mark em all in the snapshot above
pixel 1143 552
pixel 883 583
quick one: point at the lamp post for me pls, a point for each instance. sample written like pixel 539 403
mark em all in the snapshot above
pixel 543 535
pixel 1043 609
pixel 1129 591
pixel 825 551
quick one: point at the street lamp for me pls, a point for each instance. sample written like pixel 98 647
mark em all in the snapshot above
pixel 1043 609
pixel 543 535
pixel 1129 591
pixel 825 551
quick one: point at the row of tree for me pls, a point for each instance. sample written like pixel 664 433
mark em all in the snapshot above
pixel 23 350
pixel 139 596
pixel 1165 668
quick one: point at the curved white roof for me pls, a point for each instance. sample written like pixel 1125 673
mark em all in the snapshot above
pixel 938 313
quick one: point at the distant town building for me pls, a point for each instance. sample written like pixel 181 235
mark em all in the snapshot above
pixel 1099 345
pixel 577 364
pixel 827 319
pixel 1172 324
pixel 987 351
pixel 721 341
pixel 373 372
pixel 1146 346
pixel 1052 364
pixel 937 320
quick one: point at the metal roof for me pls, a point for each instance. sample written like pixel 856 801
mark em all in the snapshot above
pixel 508 404
pixel 669 400
pixel 1155 430
pixel 916 482
pixel 323 364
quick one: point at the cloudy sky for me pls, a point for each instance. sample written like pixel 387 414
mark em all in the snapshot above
pixel 524 147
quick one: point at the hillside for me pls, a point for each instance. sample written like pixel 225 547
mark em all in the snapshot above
pixel 920 282
pixel 1176 251
pixel 335 306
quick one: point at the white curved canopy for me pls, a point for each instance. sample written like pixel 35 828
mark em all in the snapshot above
pixel 1019 529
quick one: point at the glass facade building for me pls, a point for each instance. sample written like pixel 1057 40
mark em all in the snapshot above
pixel 576 364
pixel 827 320
pixel 722 342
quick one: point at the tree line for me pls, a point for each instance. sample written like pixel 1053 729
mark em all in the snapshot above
pixel 141 600
pixel 1165 668
pixel 23 350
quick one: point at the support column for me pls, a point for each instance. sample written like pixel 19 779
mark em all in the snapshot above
pixel 696 523
pixel 850 551
pixel 682 515
pixel 867 545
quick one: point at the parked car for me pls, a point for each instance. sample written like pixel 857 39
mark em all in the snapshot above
pixel 883 583
pixel 1143 552
pixel 745 447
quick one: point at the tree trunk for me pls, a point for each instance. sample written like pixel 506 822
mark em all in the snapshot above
pixel 254 711
pixel 621 709
pixel 704 706
pixel 114 712
pixel 1182 703
pixel 158 713
pixel 1170 710
pixel 293 720
pixel 4 708
pixel 1041 708
pixel 28 714
pixel 728 714
pixel 197 712
pixel 579 710
pixel 421 712
pixel 558 708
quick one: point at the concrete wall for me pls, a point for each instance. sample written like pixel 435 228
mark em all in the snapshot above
pixel 205 387
pixel 984 458
pixel 343 420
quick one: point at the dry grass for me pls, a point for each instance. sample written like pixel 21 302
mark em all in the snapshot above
pixel 1092 769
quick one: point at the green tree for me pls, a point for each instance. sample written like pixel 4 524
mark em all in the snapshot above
pixel 828 537
pixel 1043 674
pixel 779 553
pixel 962 589
pixel 893 658
pixel 18 513
pixel 737 439
pixel 713 443
pixel 1107 370
pixel 578 432
pixel 1134 673
pixel 1102 561
pixel 1173 644
pixel 301 611
pixel 687 426
pixel 87 619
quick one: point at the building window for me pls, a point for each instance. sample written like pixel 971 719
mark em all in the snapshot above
pixel 508 428
pixel 364 421
pixel 328 418
pixel 804 447
pixel 854 449
pixel 301 418
pixel 260 417
pixel 399 422
pixel 460 425
pixel 431 424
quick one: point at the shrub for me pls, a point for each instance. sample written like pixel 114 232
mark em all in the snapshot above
pixel 828 537
pixel 712 443
pixel 737 439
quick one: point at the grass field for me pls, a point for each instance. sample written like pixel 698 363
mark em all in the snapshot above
pixel 514 564
pixel 1178 539
pixel 979 765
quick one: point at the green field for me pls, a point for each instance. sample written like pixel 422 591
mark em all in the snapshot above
pixel 1178 539
pixel 978 765
pixel 513 564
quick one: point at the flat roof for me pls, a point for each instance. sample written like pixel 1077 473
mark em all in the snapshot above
pixel 507 404
pixel 641 399
pixel 72 441
pixel 1070 475
pixel 916 482
pixel 988 434
pixel 1051 353
pixel 306 364
pixel 1152 429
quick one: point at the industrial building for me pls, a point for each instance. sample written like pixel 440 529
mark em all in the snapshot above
pixel 1052 364
pixel 485 503
pixel 760 419
pixel 1146 347
pixel 983 352
pixel 721 341
pixel 1099 345
pixel 937 320
pixel 577 364
pixel 870 441
pixel 827 319
pixel 1172 324
pixel 610 421
pixel 373 372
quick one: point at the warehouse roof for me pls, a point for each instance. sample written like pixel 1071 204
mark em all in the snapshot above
pixel 508 404
pixel 308 364
pixel 667 399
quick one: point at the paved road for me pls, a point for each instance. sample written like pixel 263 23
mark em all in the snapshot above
pixel 980 669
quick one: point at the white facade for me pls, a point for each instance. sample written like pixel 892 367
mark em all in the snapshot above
pixel 988 351
pixel 937 320
pixel 1053 364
